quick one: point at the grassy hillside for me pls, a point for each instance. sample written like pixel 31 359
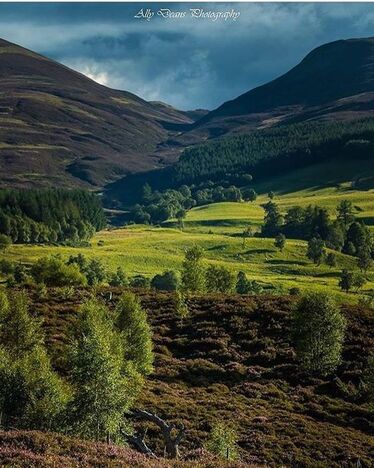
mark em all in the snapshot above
pixel 148 250
pixel 232 360
pixel 218 227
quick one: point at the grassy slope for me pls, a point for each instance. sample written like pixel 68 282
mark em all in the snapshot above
pixel 233 360
pixel 217 228
pixel 145 250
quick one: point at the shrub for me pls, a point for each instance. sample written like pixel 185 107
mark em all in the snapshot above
pixel 6 267
pixel 140 281
pixel 295 291
pixel 95 272
pixel 319 330
pixel 52 271
pixel 280 242
pixel 41 290
pixel 118 278
pixel 346 280
pixel 223 441
pixel 242 283
pixel 219 279
pixel 167 281
pixel 358 281
pixel 5 242
pixel 20 274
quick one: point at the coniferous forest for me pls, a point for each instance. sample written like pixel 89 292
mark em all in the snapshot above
pixel 49 216
pixel 275 150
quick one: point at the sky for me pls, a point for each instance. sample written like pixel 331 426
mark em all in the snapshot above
pixel 188 62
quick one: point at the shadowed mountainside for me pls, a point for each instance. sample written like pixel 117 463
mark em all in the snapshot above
pixel 333 82
pixel 58 127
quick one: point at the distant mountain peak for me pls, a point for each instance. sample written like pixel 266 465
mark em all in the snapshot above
pixel 330 72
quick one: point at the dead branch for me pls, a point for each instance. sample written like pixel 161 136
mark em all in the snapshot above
pixel 138 441
pixel 172 433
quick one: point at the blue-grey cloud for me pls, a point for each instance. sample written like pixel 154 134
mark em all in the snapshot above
pixel 187 62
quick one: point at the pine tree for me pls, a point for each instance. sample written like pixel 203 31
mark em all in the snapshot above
pixel 345 212
pixel 223 441
pixel 181 307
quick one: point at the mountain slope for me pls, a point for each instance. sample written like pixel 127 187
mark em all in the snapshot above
pixel 334 81
pixel 232 360
pixel 58 127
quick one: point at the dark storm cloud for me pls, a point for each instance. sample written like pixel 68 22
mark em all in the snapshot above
pixel 188 63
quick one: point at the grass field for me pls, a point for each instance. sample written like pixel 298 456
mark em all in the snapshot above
pixel 148 250
pixel 217 228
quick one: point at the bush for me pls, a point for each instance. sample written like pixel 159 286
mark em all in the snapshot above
pixel 6 267
pixel 319 330
pixel 118 278
pixel 223 442
pixel 140 281
pixel 52 271
pixel 219 279
pixel 168 281
pixel 95 272
pixel 5 242
pixel 280 242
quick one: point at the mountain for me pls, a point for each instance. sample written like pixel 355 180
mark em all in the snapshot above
pixel 311 114
pixel 58 127
pixel 333 82
pixel 194 114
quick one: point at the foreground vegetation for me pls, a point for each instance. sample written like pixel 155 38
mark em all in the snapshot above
pixel 232 360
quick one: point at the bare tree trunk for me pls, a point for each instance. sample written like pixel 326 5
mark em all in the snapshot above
pixel 172 434
pixel 139 442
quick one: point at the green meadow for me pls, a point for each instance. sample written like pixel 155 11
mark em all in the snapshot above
pixel 217 228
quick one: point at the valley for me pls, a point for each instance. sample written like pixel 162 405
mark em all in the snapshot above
pixel 217 228
pixel 228 293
